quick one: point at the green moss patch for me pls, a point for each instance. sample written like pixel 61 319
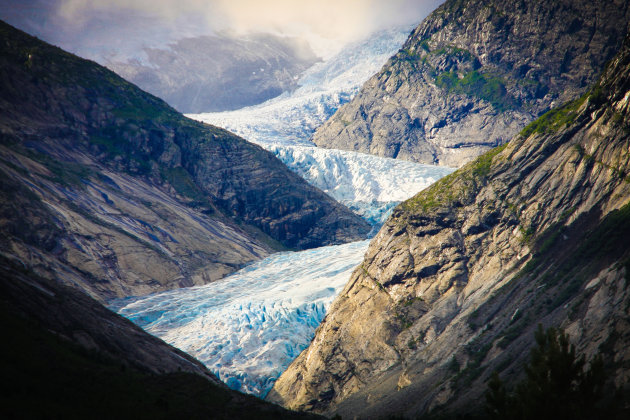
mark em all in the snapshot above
pixel 455 187
pixel 478 85
pixel 555 119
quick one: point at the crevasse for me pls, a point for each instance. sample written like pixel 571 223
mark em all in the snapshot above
pixel 248 327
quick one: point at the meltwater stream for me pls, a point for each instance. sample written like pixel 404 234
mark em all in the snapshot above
pixel 248 327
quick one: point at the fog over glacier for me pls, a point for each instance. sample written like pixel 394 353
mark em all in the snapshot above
pixel 248 327
pixel 292 117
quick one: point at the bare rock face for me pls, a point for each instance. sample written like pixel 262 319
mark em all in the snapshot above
pixel 473 74
pixel 105 182
pixel 456 281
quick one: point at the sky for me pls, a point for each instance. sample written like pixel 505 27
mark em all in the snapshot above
pixel 91 28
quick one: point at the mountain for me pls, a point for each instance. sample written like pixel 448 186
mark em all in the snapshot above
pixel 473 74
pixel 192 74
pixel 369 185
pixel 293 116
pixel 67 356
pixel 101 180
pixel 457 280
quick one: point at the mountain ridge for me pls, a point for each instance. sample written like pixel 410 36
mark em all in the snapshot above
pixel 113 177
pixel 470 77
pixel 455 282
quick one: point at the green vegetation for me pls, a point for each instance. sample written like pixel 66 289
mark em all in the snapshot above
pixel 481 166
pixel 117 141
pixel 455 187
pixel 438 194
pixel 410 301
pixel 527 233
pixel 600 244
pixel 454 51
pixel 556 386
pixel 477 351
pixel 514 331
pixel 479 85
pixel 378 283
pixel 63 173
pixel 183 183
pixel 453 365
pixel 471 82
pixel 404 321
pixel 555 119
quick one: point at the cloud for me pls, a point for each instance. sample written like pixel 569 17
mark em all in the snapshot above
pixel 325 24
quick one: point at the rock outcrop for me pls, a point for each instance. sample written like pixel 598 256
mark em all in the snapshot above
pixel 456 281
pixel 103 181
pixel 473 74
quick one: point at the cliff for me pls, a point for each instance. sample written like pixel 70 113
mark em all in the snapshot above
pixel 454 284
pixel 473 74
pixel 105 182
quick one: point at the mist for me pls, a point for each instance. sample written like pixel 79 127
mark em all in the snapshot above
pixel 96 28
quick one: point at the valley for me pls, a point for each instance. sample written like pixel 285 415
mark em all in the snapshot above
pixel 377 233
pixel 248 327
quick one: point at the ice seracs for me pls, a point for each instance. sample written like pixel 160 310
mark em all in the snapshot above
pixel 248 327
pixel 367 184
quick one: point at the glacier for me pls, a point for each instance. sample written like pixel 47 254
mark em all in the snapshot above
pixel 370 186
pixel 292 117
pixel 248 327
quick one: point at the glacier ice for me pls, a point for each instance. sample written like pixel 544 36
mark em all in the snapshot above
pixel 369 185
pixel 248 327
pixel 292 117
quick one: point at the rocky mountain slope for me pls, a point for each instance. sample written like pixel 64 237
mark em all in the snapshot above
pixel 294 116
pixel 454 284
pixel 101 180
pixel 67 356
pixel 473 74
pixel 192 73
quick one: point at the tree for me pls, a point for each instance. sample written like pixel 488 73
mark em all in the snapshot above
pixel 556 385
